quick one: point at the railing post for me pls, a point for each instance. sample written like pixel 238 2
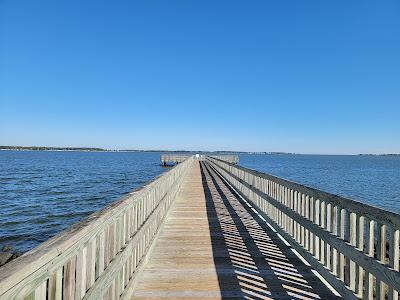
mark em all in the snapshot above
pixel 394 258
pixel 338 232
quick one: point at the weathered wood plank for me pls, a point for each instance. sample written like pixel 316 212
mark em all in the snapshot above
pixel 86 249
pixel 69 279
pixel 394 258
pixel 361 208
pixel 55 285
pixel 205 245
pixel 384 273
pixel 352 260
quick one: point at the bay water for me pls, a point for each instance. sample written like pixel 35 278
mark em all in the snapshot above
pixel 44 192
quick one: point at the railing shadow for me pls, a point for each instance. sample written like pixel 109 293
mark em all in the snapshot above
pixel 251 261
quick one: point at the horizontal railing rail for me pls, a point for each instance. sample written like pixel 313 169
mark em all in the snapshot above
pixel 96 258
pixel 354 246
pixel 174 158
pixel 233 159
pixel 178 158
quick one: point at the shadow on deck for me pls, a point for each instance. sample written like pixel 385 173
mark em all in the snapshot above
pixel 251 261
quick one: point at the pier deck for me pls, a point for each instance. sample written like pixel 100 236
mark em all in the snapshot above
pixel 213 246
pixel 210 229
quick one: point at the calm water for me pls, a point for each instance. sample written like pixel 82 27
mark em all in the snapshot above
pixel 369 179
pixel 42 193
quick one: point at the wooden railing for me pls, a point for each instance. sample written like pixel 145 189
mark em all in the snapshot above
pixel 100 256
pixel 173 158
pixel 178 158
pixel 354 246
pixel 233 159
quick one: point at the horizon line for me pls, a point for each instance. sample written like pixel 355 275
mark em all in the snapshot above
pixel 98 149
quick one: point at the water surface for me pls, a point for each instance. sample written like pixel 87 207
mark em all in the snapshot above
pixel 374 180
pixel 44 192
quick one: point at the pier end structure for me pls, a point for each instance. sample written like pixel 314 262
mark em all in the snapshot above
pixel 174 159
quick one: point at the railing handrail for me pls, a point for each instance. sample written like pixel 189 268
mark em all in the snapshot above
pixel 18 278
pixel 341 238
pixel 177 157
pixel 230 158
pixel 366 209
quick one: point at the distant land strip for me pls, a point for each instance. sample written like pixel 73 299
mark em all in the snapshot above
pixel 40 148
pixel 94 149
pixel 89 149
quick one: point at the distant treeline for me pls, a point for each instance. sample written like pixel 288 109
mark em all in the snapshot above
pixel 42 148
pixel 387 154
pixel 39 148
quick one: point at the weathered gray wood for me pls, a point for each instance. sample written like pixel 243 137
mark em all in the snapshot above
pixel 381 254
pixel 71 240
pixel 98 258
pixel 182 265
pixel 84 251
pixel 40 291
pixel 374 213
pixel 394 258
pixel 342 219
pixel 69 279
pixel 100 253
pixel 369 284
pixel 80 279
pixel 350 252
pixel 131 283
pixel 335 255
pixel 179 158
pixel 328 227
pixel 322 242
pixel 337 285
pixel 347 238
pixel 113 270
pixel 55 285
pixel 360 246
pixel 353 242
pixel 91 268
pixel 173 158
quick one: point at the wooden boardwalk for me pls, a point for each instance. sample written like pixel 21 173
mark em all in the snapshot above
pixel 213 245
pixel 188 234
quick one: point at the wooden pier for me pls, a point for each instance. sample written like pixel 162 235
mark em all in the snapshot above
pixel 209 229
pixel 213 245
pixel 178 158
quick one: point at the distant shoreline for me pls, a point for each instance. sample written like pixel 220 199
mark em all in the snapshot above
pixel 92 149
pixel 54 149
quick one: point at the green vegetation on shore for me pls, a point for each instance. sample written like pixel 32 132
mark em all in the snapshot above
pixel 92 149
pixel 40 148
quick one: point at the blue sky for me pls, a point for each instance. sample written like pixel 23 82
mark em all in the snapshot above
pixel 296 76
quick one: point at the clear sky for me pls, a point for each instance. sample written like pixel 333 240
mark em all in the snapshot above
pixel 296 76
